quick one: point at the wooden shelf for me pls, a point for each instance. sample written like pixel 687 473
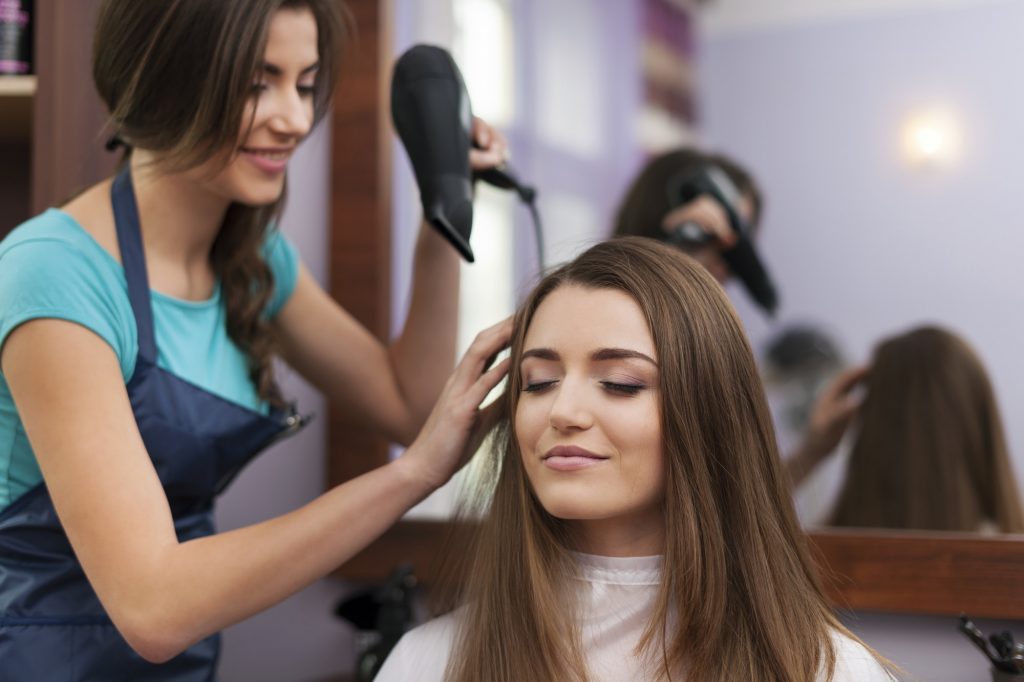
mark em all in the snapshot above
pixel 17 94
pixel 17 86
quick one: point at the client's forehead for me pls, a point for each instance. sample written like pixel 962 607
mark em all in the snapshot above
pixel 580 319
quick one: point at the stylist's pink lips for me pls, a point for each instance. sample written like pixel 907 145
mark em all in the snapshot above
pixel 270 160
pixel 570 458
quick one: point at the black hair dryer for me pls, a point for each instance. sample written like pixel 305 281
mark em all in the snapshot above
pixel 433 117
pixel 742 257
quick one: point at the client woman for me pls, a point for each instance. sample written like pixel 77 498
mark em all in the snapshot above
pixel 637 525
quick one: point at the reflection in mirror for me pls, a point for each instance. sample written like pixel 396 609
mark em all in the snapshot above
pixel 927 449
pixel 929 453
pixel 887 158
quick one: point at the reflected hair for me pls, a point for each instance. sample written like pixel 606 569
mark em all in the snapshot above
pixel 176 76
pixel 739 598
pixel 930 451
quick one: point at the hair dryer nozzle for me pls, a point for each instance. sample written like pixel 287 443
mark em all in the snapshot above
pixel 452 214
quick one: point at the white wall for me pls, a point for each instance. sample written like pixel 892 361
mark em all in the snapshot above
pixel 860 240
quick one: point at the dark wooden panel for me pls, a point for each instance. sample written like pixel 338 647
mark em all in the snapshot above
pixel 14 184
pixel 931 573
pixel 938 574
pixel 360 250
pixel 419 543
pixel 67 141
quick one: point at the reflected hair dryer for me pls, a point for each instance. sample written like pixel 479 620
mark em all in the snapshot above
pixel 433 117
pixel 742 258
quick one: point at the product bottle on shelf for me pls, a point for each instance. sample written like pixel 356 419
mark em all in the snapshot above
pixel 15 37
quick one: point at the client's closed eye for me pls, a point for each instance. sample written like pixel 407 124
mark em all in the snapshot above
pixel 537 386
pixel 624 389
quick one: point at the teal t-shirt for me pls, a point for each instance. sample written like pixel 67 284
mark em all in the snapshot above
pixel 50 267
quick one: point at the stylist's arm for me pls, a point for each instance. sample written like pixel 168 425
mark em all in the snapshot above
pixel 164 595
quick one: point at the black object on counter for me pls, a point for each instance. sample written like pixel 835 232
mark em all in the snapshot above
pixel 15 37
pixel 1006 655
pixel 385 610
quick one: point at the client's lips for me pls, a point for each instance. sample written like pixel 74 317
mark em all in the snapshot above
pixel 570 458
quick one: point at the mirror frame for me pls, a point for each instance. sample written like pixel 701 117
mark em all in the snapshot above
pixel 893 571
pixel 889 571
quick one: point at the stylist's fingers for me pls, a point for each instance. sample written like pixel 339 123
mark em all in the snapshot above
pixel 834 411
pixel 482 351
pixel 487 381
pixel 707 213
pixel 489 148
pixel 848 379
pixel 840 391
pixel 488 419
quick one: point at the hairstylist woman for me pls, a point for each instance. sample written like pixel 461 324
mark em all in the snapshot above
pixel 137 327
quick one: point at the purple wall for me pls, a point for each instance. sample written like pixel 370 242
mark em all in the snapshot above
pixel 864 243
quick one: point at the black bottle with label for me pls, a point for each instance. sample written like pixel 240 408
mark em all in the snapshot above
pixel 15 37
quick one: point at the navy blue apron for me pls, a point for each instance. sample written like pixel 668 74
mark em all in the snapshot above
pixel 52 626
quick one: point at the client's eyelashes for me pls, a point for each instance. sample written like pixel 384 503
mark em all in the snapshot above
pixel 537 386
pixel 623 389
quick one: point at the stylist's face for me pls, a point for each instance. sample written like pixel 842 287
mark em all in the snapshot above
pixel 279 112
pixel 588 423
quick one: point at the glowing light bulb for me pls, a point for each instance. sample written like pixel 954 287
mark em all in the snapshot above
pixel 930 138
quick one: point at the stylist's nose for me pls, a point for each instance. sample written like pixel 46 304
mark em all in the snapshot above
pixel 292 114
pixel 568 410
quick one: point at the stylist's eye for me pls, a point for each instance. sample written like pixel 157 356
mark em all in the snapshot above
pixel 306 90
pixel 257 88
pixel 622 389
pixel 537 386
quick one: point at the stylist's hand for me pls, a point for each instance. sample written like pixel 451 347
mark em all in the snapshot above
pixel 830 417
pixel 457 425
pixel 832 413
pixel 712 218
pixel 489 148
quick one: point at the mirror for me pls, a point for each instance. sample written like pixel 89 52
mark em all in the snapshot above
pixel 882 141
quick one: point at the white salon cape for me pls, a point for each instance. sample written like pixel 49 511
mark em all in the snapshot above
pixel 618 598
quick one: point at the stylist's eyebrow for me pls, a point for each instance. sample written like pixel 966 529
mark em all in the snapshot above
pixel 597 356
pixel 275 70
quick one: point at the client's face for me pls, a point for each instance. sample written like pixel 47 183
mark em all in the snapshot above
pixel 588 422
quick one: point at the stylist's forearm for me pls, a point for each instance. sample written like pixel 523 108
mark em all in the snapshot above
pixel 220 580
pixel 424 354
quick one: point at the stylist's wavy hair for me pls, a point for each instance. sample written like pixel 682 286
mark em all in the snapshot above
pixel 739 598
pixel 176 76
pixel 930 451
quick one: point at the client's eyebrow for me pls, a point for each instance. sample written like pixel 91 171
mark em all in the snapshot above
pixel 619 354
pixel 597 356
pixel 275 70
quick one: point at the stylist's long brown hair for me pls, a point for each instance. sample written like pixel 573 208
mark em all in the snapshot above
pixel 175 76
pixel 739 599
pixel 930 452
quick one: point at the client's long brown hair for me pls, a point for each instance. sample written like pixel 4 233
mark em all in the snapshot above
pixel 739 598
pixel 930 452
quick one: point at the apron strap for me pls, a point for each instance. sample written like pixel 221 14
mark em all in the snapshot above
pixel 133 259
